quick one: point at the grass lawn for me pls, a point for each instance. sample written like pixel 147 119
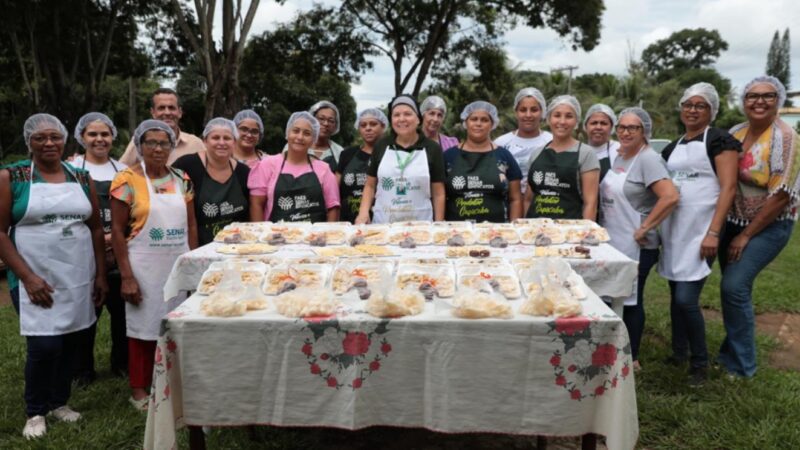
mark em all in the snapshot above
pixel 762 413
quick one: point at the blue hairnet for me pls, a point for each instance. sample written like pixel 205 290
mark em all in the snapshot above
pixel 481 105
pixel 39 122
pixel 88 118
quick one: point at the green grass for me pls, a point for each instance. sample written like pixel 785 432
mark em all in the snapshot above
pixel 761 413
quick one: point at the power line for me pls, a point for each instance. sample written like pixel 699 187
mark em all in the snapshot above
pixel 569 80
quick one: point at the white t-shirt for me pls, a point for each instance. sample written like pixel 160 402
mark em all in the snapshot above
pixel 522 148
pixel 102 172
pixel 608 150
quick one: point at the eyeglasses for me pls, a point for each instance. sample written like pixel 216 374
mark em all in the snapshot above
pixel 767 97
pixel 328 120
pixel 151 145
pixel 628 128
pixel 250 131
pixel 699 107
pixel 43 138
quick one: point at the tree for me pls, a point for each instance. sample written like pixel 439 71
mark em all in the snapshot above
pixel 779 58
pixel 686 49
pixel 430 34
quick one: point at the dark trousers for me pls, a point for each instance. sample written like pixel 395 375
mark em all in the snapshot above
pixel 633 316
pixel 84 361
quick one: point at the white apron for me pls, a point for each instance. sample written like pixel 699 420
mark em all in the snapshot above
pixel 152 254
pixel 620 219
pixel 404 187
pixel 56 244
pixel 683 231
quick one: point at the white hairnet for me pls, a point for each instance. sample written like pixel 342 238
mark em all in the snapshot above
pixel 309 117
pixel 776 83
pixel 39 122
pixel 433 102
pixel 644 119
pixel 531 92
pixel 151 125
pixel 88 118
pixel 568 100
pixel 249 114
pixel 322 105
pixel 375 113
pixel 481 105
pixel 705 90
pixel 600 108
pixel 223 123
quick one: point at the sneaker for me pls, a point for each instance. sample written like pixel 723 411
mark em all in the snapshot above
pixel 141 404
pixel 697 376
pixel 65 414
pixel 35 427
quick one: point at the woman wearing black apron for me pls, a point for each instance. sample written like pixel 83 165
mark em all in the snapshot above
pixel 564 176
pixel 220 182
pixel 293 187
pixel 483 181
pixel 251 131
pixel 351 174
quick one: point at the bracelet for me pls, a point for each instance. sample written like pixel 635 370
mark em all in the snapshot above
pixel 712 233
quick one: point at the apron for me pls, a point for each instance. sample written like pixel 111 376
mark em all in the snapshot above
pixel 554 177
pixel 103 189
pixel 152 253
pixel 354 177
pixel 404 187
pixel 298 199
pixel 56 244
pixel 218 204
pixel 683 231
pixel 475 189
pixel 621 220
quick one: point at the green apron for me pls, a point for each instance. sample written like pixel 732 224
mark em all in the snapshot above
pixel 351 188
pixel 299 199
pixel 218 204
pixel 554 179
pixel 475 190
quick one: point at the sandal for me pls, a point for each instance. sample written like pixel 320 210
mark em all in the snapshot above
pixel 141 404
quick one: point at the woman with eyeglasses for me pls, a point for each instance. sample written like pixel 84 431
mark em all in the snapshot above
pixel 251 130
pixel 323 148
pixel 763 215
pixel 152 223
pixel 636 195
pixel 702 164
pixel 52 240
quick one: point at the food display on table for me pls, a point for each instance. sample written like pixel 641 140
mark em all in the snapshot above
pixel 410 235
pixel 397 303
pixel 455 234
pixel 533 221
pixel 285 233
pixel 575 252
pixel 212 277
pixel 472 251
pixel 246 249
pixel 498 235
pixel 430 280
pixel 306 302
pixel 371 234
pixel 473 304
pixel 357 251
pixel 324 234
pixel 289 277
pixel 236 236
pixel 587 235
pixel 490 279
pixel 541 235
pixel 425 261
pixel 363 276
pixel 221 305
pixel 552 288
pixel 492 261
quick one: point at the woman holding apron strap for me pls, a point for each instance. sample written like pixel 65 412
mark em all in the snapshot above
pixel 703 165
pixel 154 201
pixel 635 196
pixel 563 178
pixel 52 241
pixel 351 173
pixel 482 181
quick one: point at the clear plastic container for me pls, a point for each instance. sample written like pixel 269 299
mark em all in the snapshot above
pixel 372 234
pixel 291 276
pixel 292 232
pixel 486 231
pixel 438 280
pixel 541 235
pixel 366 273
pixel 500 279
pixel 332 233
pixel 421 234
pixel 250 273
pixel 444 231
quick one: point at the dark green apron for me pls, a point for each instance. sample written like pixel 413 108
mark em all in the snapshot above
pixel 475 190
pixel 605 163
pixel 554 178
pixel 218 204
pixel 351 188
pixel 298 199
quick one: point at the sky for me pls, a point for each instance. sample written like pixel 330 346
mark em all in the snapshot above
pixel 746 25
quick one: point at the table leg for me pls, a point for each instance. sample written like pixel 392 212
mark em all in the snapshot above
pixel 589 441
pixel 197 439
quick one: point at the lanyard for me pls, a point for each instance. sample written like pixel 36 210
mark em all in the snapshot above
pixel 403 164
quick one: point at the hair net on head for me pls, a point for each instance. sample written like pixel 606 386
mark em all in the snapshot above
pixel 322 105
pixel 151 125
pixel 531 92
pixel 568 100
pixel 249 114
pixel 600 108
pixel 88 118
pixel 433 102
pixel 776 83
pixel 644 118
pixel 481 105
pixel 375 113
pixel 404 99
pixel 39 122
pixel 309 117
pixel 223 123
pixel 705 90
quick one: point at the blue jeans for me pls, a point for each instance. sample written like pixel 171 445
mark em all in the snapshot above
pixel 688 325
pixel 738 350
pixel 633 316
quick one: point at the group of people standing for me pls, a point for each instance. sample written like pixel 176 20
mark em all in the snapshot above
pixel 96 230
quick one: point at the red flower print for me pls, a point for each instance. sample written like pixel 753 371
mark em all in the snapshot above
pixel 625 371
pixel 747 161
pixel 307 349
pixel 357 383
pixel 171 346
pixel 166 391
pixel 575 394
pixel 614 381
pixel 332 382
pixel 317 319
pixel 158 355
pixel 572 368
pixel 604 355
pixel 555 361
pixel 386 348
pixel 374 366
pixel 315 369
pixel 599 390
pixel 561 381
pixel 169 365
pixel 324 356
pixel 572 325
pixel 355 344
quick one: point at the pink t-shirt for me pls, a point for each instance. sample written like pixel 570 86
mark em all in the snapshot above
pixel 264 176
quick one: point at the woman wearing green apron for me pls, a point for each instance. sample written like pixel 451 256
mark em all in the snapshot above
pixel 483 181
pixel 220 182
pixel 351 174
pixel 564 176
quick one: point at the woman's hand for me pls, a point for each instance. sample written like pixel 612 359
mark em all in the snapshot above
pixel 100 291
pixel 39 291
pixel 736 247
pixel 709 246
pixel 129 290
pixel 362 219
pixel 640 236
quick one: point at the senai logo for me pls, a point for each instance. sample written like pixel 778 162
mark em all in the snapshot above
pixel 156 234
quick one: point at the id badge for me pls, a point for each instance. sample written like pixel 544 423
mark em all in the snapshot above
pixel 401 187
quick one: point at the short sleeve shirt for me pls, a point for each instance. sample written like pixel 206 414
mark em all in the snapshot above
pixel 432 151
pixel 717 141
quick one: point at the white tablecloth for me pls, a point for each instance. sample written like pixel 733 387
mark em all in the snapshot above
pixel 527 375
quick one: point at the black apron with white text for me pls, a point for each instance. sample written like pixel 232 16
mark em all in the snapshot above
pixel 219 204
pixel 475 190
pixel 298 199
pixel 351 188
pixel 554 178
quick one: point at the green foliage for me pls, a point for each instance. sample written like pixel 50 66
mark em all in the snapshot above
pixel 779 59
pixel 682 50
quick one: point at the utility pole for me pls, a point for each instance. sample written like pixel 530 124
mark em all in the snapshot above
pixel 569 80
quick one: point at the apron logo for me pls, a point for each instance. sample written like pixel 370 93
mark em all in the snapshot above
pixel 285 203
pixel 349 179
pixel 387 183
pixel 226 209
pixel 66 232
pixel 538 177
pixel 156 234
pixel 49 218
pixel 459 182
pixel 210 209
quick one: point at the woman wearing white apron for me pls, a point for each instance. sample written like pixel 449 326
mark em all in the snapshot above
pixel 54 251
pixel 153 223
pixel 702 164
pixel 599 123
pixel 635 196
pixel 406 175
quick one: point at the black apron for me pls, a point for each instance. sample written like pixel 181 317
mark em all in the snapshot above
pixel 298 199
pixel 554 179
pixel 218 204
pixel 351 188
pixel 103 189
pixel 605 163
pixel 475 190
